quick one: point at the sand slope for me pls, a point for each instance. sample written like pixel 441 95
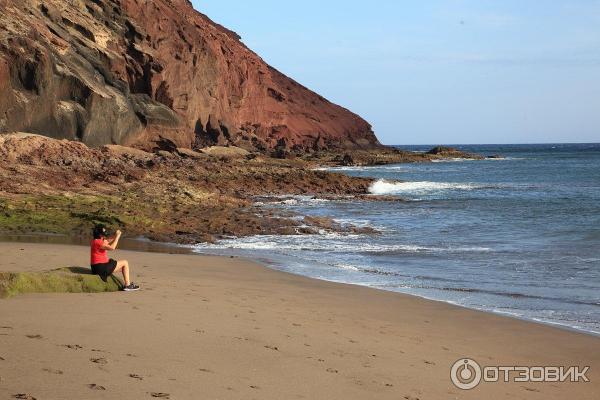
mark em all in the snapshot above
pixel 220 328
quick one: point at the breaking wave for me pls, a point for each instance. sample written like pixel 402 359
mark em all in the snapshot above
pixel 383 187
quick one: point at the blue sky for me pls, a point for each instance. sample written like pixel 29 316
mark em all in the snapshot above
pixel 433 71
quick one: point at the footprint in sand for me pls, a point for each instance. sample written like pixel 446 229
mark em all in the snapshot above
pixel 136 376
pixel 34 336
pixel 332 371
pixel 53 371
pixel 99 360
pixel 93 386
pixel 274 348
pixel 6 327
pixel 72 346
pixel 24 396
pixel 208 371
pixel 160 395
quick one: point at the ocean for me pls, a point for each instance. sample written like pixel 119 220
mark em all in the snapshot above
pixel 518 235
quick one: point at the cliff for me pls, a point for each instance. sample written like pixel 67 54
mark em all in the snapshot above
pixel 151 74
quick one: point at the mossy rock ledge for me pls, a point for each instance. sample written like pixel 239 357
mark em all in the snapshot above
pixel 63 280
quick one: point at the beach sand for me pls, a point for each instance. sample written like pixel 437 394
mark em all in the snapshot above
pixel 222 328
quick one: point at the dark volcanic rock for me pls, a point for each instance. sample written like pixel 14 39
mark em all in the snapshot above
pixel 439 150
pixel 146 73
pixel 451 152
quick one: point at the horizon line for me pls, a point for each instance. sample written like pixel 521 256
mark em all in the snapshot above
pixel 490 144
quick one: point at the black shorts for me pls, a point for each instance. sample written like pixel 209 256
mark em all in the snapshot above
pixel 104 270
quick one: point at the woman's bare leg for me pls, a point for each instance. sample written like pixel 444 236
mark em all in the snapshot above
pixel 123 266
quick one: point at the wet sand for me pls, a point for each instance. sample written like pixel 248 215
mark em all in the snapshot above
pixel 221 328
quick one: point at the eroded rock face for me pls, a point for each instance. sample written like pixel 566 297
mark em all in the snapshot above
pixel 143 73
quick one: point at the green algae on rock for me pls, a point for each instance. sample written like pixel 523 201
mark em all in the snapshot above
pixel 63 280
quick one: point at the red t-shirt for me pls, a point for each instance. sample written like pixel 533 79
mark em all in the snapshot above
pixel 98 254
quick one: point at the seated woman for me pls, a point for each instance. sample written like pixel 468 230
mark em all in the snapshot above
pixel 101 264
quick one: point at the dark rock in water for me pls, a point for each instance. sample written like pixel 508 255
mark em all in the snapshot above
pixel 451 152
pixel 442 150
pixel 347 160
pixel 138 73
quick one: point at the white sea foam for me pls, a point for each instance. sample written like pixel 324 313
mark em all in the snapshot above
pixel 450 160
pixel 330 242
pixel 291 200
pixel 442 160
pixel 383 187
pixel 390 167
pixel 360 223
pixel 348 267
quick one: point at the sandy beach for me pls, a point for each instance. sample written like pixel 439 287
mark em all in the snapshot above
pixel 227 328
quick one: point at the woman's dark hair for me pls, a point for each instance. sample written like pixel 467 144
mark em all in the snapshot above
pixel 99 231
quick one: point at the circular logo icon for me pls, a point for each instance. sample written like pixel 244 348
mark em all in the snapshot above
pixel 465 374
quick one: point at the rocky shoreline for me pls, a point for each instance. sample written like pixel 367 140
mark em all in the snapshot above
pixel 386 155
pixel 51 186
pixel 185 125
pixel 60 186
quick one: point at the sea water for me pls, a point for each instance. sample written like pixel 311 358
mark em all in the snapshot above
pixel 517 235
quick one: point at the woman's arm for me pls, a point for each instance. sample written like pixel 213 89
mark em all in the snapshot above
pixel 112 245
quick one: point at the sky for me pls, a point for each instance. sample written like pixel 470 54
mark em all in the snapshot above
pixel 435 71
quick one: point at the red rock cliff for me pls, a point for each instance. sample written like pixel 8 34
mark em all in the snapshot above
pixel 142 73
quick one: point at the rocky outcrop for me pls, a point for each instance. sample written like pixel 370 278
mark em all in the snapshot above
pixel 451 152
pixel 63 186
pixel 146 73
